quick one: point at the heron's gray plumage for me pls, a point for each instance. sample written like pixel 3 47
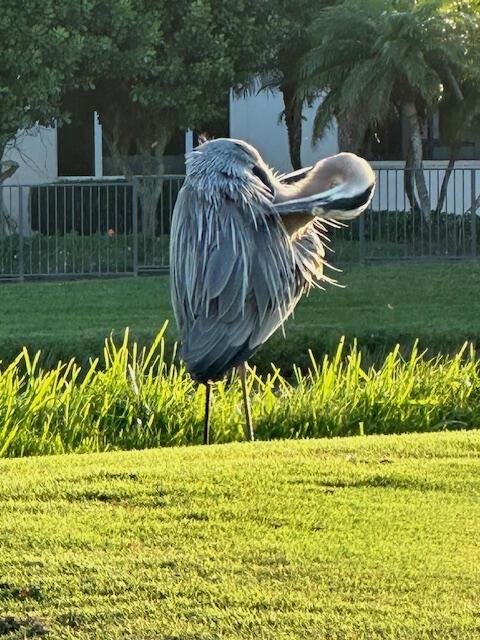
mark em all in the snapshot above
pixel 234 284
pixel 237 271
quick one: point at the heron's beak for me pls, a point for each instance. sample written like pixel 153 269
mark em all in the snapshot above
pixel 332 204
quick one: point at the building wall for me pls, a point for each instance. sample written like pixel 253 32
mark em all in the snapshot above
pixel 36 153
pixel 256 120
pixel 463 186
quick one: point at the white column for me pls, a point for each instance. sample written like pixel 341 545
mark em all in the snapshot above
pixel 98 148
pixel 188 141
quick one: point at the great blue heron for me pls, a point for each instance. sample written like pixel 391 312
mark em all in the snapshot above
pixel 245 245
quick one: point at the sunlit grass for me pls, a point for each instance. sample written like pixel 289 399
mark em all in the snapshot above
pixel 138 398
pixel 380 306
pixel 366 538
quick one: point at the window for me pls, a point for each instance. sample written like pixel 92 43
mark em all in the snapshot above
pixel 75 145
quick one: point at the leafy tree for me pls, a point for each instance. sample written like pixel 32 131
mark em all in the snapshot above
pixel 153 67
pixel 372 58
pixel 39 53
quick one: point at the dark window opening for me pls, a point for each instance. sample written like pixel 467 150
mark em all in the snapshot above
pixel 386 142
pixel 75 145
pixel 435 143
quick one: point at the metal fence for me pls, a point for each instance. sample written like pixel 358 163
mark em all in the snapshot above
pixel 396 228
pixel 81 229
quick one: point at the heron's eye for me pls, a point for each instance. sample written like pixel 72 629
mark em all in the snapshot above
pixel 261 175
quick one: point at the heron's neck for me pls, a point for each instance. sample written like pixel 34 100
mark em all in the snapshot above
pixel 297 224
pixel 284 192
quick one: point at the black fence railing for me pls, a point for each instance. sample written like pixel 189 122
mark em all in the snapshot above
pixel 80 229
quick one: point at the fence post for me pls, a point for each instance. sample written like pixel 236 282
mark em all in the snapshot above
pixel 135 224
pixel 361 238
pixel 473 213
pixel 21 264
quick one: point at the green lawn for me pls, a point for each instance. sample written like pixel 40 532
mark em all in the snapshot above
pixel 439 303
pixel 343 539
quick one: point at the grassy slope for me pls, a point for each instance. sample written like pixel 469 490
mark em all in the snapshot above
pixel 341 539
pixel 381 305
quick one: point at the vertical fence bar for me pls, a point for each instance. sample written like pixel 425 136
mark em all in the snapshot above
pixel 3 224
pixel 135 225
pixel 71 233
pixel 115 227
pixel 21 265
pixel 47 221
pixel 65 196
pixel 361 239
pixel 125 230
pixel 473 213
pixel 91 239
pixel 40 229
pixel 82 230
pixel 99 229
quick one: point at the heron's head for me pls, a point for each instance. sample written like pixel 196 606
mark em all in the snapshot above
pixel 229 164
pixel 339 187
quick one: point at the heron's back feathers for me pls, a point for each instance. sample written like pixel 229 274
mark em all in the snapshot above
pixel 233 281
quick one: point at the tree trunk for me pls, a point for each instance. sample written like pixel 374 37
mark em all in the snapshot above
pixel 147 163
pixel 446 179
pixel 474 208
pixel 409 182
pixel 293 120
pixel 351 132
pixel 151 185
pixel 413 122
pixel 7 169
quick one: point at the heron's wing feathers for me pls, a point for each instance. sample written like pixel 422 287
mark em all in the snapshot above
pixel 233 283
pixel 329 204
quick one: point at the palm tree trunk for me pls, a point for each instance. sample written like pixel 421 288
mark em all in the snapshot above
pixel 351 132
pixel 293 120
pixel 409 183
pixel 446 179
pixel 411 116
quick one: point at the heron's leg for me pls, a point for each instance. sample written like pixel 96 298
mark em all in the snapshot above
pixel 242 369
pixel 206 424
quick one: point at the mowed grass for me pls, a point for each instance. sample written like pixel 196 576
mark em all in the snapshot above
pixel 342 539
pixel 380 305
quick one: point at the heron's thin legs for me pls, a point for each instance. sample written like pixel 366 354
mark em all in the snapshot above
pixel 242 369
pixel 206 424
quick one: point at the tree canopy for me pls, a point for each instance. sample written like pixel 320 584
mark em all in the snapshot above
pixel 155 66
pixel 39 55
pixel 150 67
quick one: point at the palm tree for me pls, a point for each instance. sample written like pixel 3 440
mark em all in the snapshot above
pixel 460 118
pixel 372 59
pixel 285 39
